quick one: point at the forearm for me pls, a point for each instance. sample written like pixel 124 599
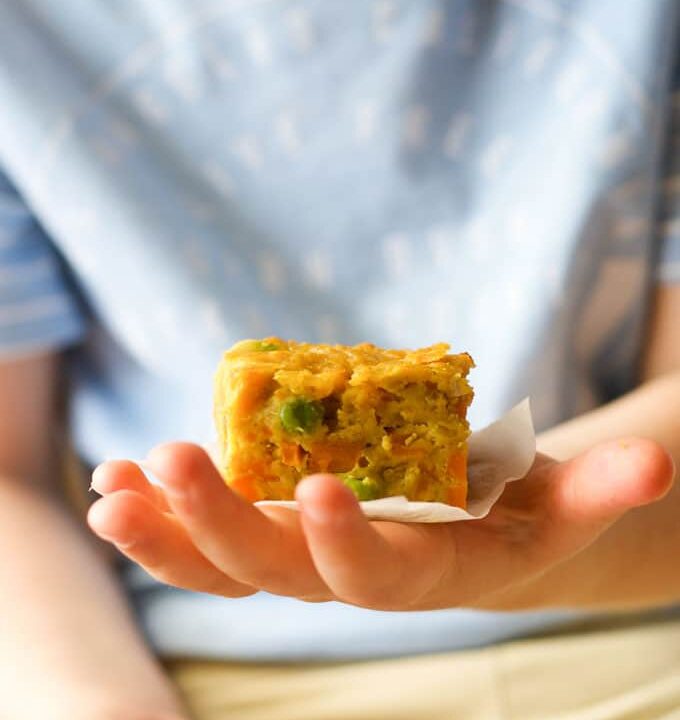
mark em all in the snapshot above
pixel 634 564
pixel 69 644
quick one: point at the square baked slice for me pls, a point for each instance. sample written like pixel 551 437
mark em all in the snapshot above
pixel 387 422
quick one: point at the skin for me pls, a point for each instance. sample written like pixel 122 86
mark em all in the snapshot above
pixel 559 528
pixel 597 530
pixel 86 657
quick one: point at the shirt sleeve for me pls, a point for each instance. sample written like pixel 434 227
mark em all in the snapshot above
pixel 668 268
pixel 39 308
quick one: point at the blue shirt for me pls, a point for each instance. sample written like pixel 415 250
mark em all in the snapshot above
pixel 177 176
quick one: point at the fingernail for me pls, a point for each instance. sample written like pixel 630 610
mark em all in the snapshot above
pixel 98 524
pixel 317 514
pixel 321 509
pixel 307 502
pixel 110 537
pixel 96 481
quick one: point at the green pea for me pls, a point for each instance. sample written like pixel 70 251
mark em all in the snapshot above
pixel 300 415
pixel 364 488
pixel 261 346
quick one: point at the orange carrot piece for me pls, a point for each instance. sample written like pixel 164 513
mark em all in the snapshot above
pixel 457 465
pixel 456 469
pixel 257 383
pixel 334 456
pixel 457 495
pixel 246 486
pixel 292 454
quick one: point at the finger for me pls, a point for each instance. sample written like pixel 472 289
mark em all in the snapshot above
pixel 115 475
pixel 601 484
pixel 378 565
pixel 556 511
pixel 263 549
pixel 158 543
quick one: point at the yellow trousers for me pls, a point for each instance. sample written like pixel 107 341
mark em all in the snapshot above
pixel 624 671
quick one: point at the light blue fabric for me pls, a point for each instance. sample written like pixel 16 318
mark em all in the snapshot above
pixel 502 175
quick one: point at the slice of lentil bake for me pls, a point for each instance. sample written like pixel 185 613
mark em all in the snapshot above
pixel 387 422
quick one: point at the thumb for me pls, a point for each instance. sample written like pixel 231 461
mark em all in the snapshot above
pixel 599 485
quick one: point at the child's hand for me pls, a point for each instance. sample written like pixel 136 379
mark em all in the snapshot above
pixel 198 534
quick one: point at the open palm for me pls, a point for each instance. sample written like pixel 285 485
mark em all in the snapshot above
pixel 196 533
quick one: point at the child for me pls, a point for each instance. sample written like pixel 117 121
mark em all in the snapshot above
pixel 179 176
